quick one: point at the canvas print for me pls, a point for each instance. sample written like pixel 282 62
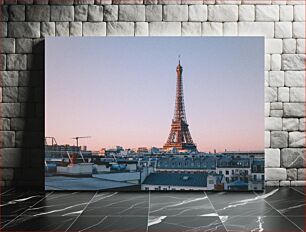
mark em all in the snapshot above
pixel 154 113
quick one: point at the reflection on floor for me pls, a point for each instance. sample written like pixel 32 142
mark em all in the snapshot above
pixel 274 210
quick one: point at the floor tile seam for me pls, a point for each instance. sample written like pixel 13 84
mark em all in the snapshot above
pixel 215 211
pixel 77 217
pixel 25 211
pixel 284 216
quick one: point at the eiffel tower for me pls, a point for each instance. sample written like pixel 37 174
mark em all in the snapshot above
pixel 179 136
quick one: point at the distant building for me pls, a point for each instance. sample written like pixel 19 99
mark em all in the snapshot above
pixel 257 179
pixel 142 150
pixel 182 181
pixel 186 164
pixel 234 168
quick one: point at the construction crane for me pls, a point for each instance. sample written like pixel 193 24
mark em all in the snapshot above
pixel 80 137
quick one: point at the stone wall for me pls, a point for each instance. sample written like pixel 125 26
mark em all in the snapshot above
pixel 25 23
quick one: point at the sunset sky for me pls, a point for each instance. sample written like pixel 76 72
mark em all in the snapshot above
pixel 121 90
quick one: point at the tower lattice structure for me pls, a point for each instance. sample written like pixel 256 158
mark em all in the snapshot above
pixel 180 137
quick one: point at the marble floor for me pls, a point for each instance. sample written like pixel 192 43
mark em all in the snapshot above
pixel 275 210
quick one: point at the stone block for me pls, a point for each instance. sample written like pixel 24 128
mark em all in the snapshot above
pixel 256 29
pixel 62 28
pixel 293 61
pixel 16 62
pixel 62 13
pixel 277 78
pixel 292 174
pixel 267 109
pixel 300 46
pixel 4 15
pixel 120 28
pixel 194 2
pixel 38 13
pixel 2 62
pixel 11 157
pixel 273 46
pixel 270 94
pixel 230 29
pixel 5 124
pixel 276 113
pixel 175 13
pixel 9 94
pixel 283 30
pixel 94 28
pixel 141 29
pixel 47 29
pixel 24 29
pixel 222 13
pixel 297 94
pixel 197 13
pixel 84 2
pixel 110 13
pixel 289 46
pixel 294 78
pixel 293 157
pixel 284 183
pixel 298 30
pixel 246 13
pixel 290 124
pixel 165 28
pixel 276 62
pixel 8 78
pixel 11 110
pixel 191 29
pixel 154 13
pixel 95 13
pixel 131 13
pixel 276 106
pixel 273 123
pixel 24 45
pixel 301 174
pixel 272 158
pixel 75 29
pixel 279 139
pixel 297 183
pixel 299 13
pixel 267 61
pixel 272 183
pixel 173 2
pixel 275 174
pixel 18 124
pixel 103 2
pixel 7 139
pixel 267 139
pixel 294 110
pixel 212 29
pixel 3 31
pixel 128 2
pixel 286 13
pixel 8 45
pixel 80 12
pixel 302 124
pixel 297 139
pixel 267 13
pixel 17 13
